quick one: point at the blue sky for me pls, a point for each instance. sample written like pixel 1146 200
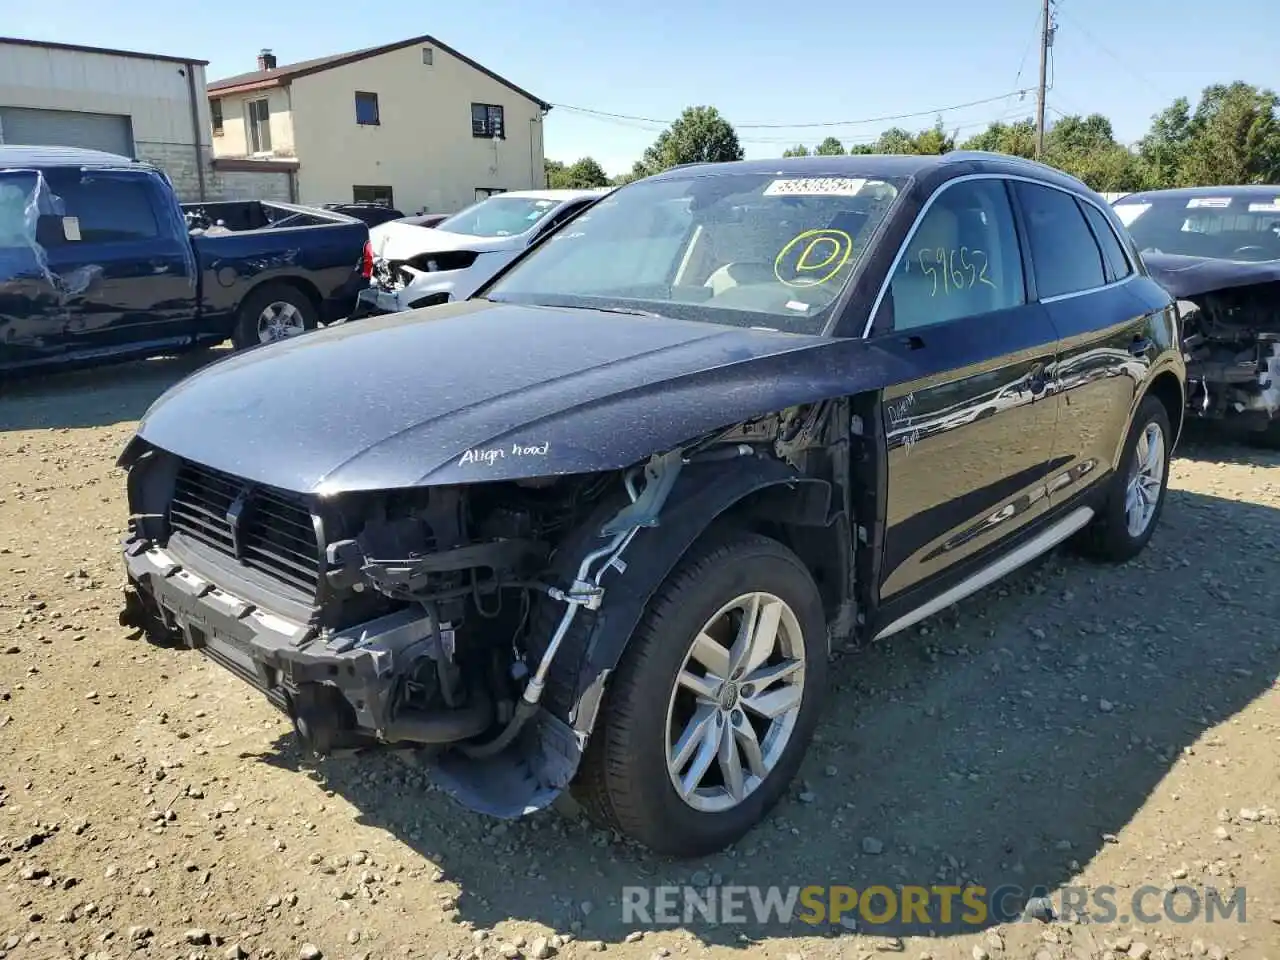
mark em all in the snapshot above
pixel 761 63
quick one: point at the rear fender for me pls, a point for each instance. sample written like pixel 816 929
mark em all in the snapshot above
pixel 701 496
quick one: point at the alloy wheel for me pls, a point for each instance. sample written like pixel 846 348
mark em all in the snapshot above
pixel 735 702
pixel 1146 479
pixel 279 320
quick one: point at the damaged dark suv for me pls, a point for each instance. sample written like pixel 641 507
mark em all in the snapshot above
pixel 600 525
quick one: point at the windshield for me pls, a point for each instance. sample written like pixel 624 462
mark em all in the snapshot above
pixel 1240 227
pixel 499 216
pixel 743 249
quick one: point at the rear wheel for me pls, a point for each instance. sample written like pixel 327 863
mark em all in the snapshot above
pixel 1132 509
pixel 713 705
pixel 272 312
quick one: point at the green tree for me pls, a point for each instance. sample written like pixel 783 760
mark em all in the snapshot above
pixel 1086 147
pixel 583 175
pixel 830 147
pixel 699 135
pixel 1162 153
pixel 1017 139
pixel 799 150
pixel 1235 137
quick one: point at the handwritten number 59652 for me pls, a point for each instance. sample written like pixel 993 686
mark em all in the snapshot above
pixel 953 269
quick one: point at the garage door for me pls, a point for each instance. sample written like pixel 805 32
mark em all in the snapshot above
pixel 65 128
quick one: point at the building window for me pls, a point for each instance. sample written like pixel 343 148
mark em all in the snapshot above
pixel 486 120
pixel 367 109
pixel 484 193
pixel 259 122
pixel 215 111
pixel 367 194
pixel 426 56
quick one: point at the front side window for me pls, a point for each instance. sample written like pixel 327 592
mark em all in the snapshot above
pixel 104 208
pixel 1063 251
pixel 499 216
pixel 963 259
pixel 1234 227
pixel 741 249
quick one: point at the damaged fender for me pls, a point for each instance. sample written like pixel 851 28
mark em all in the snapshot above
pixel 701 496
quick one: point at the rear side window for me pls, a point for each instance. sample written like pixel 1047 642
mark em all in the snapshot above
pixel 109 209
pixel 1112 253
pixel 1065 256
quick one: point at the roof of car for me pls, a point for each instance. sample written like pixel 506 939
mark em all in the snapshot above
pixel 865 164
pixel 1188 193
pixel 16 156
pixel 561 195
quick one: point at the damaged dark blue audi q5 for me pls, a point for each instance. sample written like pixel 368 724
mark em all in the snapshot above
pixel 599 527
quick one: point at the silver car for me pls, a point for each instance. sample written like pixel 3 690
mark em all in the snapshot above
pixel 416 266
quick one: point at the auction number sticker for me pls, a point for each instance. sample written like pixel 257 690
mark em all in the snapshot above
pixel 816 187
pixel 1217 203
pixel 1272 207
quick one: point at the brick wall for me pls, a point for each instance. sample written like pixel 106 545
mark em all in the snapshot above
pixel 254 185
pixel 179 162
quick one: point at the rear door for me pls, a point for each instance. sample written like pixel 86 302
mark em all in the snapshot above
pixel 124 260
pixel 970 439
pixel 1081 273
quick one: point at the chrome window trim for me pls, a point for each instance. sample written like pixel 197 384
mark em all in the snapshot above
pixel 966 178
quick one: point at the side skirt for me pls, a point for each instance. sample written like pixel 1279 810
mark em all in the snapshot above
pixel 1024 553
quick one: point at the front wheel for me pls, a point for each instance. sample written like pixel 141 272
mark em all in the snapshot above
pixel 713 705
pixel 1128 517
pixel 272 312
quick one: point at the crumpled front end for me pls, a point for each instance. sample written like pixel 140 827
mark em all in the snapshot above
pixel 1230 313
pixel 422 618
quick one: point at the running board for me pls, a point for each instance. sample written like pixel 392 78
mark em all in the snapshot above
pixel 1033 548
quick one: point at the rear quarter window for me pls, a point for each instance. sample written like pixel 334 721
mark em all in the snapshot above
pixel 1118 266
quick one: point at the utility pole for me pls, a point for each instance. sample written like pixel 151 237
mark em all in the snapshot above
pixel 1046 38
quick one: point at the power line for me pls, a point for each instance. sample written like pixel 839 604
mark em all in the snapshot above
pixel 1071 21
pixel 798 126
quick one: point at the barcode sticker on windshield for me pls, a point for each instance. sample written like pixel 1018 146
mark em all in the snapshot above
pixel 1216 202
pixel 816 187
pixel 1272 207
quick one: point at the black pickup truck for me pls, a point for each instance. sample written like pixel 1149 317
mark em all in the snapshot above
pixel 99 261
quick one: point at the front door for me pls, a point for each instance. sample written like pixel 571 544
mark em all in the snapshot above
pixel 969 440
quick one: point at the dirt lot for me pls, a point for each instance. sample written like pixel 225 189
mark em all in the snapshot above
pixel 1075 725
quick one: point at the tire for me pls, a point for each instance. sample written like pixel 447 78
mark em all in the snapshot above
pixel 624 782
pixel 292 303
pixel 1109 537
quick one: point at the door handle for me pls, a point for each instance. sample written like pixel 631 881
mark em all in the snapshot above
pixel 1140 346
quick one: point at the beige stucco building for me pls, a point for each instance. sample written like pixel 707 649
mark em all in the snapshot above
pixel 148 106
pixel 414 123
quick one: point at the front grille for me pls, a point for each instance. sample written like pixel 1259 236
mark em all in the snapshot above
pixel 261 528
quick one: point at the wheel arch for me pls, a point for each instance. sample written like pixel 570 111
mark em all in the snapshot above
pixel 1166 387
pixel 757 494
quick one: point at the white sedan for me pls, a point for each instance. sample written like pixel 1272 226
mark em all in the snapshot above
pixel 419 267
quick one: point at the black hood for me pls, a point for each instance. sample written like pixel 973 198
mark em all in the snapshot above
pixel 476 391
pixel 1191 276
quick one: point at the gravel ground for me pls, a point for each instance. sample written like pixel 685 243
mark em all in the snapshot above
pixel 1072 726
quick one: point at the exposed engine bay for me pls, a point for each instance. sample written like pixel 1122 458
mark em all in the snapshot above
pixel 1230 314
